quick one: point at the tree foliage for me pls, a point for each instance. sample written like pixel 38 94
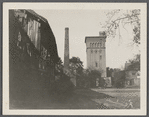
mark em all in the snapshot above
pixel 109 71
pixel 117 19
pixel 90 78
pixel 62 88
pixel 93 75
pixel 119 79
pixel 134 63
pixel 59 66
pixel 75 65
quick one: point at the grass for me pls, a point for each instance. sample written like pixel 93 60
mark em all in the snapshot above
pixel 80 99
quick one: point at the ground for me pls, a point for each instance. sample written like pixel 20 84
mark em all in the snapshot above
pixel 82 99
pixel 122 98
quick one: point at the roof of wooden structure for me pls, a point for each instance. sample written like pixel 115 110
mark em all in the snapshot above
pixel 48 38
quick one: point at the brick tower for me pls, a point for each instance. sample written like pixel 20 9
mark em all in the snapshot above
pixel 96 53
pixel 66 50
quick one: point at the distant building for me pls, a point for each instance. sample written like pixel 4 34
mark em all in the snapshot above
pixel 132 76
pixel 96 53
pixel 108 81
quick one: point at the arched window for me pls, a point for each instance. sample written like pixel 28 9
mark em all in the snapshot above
pixel 39 65
pixel 43 67
pixel 30 53
pixel 98 45
pixel 93 45
pixel 90 44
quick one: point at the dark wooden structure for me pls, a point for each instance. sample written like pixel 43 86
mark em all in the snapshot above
pixel 32 56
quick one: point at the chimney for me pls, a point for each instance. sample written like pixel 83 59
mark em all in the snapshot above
pixel 66 50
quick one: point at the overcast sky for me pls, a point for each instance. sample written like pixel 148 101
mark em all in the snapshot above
pixel 84 23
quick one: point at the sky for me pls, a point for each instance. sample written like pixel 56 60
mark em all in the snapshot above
pixel 82 23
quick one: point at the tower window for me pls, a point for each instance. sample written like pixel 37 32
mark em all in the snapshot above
pixel 100 51
pixel 100 57
pixel 96 64
pixel 100 44
pixel 93 45
pixel 91 51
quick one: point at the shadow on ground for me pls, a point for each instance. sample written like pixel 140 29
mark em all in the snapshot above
pixel 80 99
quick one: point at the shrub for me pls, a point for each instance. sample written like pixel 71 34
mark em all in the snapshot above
pixel 63 86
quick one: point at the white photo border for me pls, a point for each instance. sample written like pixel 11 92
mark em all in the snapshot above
pixel 70 6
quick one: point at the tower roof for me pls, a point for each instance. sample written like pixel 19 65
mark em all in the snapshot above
pixel 102 34
pixel 91 37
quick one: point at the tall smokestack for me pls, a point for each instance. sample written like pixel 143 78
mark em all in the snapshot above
pixel 66 51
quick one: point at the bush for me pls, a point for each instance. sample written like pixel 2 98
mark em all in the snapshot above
pixel 93 75
pixel 63 86
pixel 119 79
pixel 120 83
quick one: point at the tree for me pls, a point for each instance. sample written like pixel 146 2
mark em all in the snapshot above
pixel 59 66
pixel 134 63
pixel 117 19
pixel 83 80
pixel 62 88
pixel 92 76
pixel 109 72
pixel 119 79
pixel 75 65
pixel 76 70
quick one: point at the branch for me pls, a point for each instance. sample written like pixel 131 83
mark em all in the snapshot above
pixel 126 17
pixel 114 22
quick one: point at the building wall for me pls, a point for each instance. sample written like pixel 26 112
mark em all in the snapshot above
pixel 131 74
pixel 31 69
pixel 34 28
pixel 96 53
pixel 133 78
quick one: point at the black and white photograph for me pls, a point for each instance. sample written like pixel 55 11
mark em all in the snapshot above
pixel 74 58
